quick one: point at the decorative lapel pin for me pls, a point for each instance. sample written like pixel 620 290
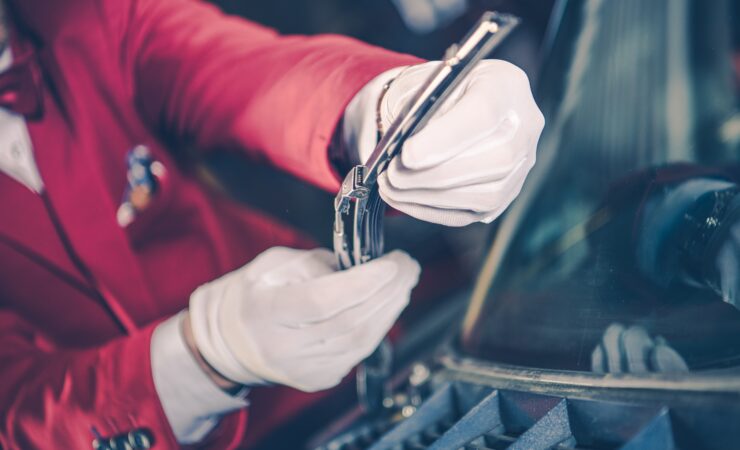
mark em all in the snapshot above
pixel 143 177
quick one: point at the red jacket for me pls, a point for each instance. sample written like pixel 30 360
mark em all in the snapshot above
pixel 79 295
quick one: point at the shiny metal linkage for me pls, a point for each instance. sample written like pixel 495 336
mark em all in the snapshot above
pixel 358 235
pixel 359 210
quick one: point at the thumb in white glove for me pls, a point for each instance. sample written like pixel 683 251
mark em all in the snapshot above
pixel 470 160
pixel 289 317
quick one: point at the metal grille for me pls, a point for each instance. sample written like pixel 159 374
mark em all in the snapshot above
pixel 462 416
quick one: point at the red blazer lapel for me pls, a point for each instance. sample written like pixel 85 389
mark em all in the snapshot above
pixel 25 224
pixel 80 202
pixel 26 228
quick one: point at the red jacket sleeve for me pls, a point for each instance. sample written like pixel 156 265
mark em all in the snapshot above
pixel 59 398
pixel 221 81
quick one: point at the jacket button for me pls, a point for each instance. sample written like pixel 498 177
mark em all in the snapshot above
pixel 120 442
pixel 140 439
pixel 101 444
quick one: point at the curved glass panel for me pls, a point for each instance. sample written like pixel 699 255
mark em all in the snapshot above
pixel 623 252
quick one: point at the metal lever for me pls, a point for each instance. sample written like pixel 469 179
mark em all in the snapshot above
pixel 358 220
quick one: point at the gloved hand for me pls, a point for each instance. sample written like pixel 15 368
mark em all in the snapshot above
pixel 470 160
pixel 289 317
pixel 632 350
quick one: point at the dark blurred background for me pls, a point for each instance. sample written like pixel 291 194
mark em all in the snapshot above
pixel 421 27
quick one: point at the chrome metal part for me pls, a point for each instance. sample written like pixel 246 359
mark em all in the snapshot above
pixel 358 209
pixel 358 220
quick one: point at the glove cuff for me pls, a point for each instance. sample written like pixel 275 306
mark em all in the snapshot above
pixel 360 121
pixel 204 317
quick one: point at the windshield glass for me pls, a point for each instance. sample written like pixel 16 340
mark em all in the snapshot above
pixel 623 252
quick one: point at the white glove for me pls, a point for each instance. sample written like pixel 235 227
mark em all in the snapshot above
pixel 632 350
pixel 469 162
pixel 290 317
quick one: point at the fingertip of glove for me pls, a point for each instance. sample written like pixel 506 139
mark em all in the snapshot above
pixel 598 360
pixel 279 250
pixel 405 262
pixel 637 332
pixel 614 329
pixel 277 254
pixel 416 155
pixel 540 121
pixel 324 255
